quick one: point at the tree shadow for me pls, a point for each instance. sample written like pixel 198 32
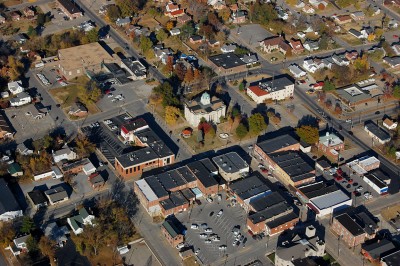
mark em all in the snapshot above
pixel 308 120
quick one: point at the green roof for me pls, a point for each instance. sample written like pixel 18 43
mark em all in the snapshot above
pixel 14 168
pixel 171 228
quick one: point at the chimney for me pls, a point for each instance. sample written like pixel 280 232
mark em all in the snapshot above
pixel 310 231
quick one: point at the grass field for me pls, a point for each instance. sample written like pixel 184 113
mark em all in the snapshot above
pixel 390 212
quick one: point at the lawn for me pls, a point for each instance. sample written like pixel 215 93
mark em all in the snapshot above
pixel 351 39
pixel 190 261
pixel 271 257
pixel 66 96
pixel 390 212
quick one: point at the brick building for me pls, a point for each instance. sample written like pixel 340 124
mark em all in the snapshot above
pixel 348 230
pixel 331 145
pixel 227 63
pixel 171 232
pixel 70 8
pixel 283 142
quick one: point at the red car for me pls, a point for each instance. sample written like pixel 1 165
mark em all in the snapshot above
pixel 264 170
pixel 339 178
pixel 350 181
pixel 395 36
pixel 339 171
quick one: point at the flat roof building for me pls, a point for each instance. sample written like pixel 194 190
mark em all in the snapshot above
pixel 249 189
pixel 227 63
pixel 231 166
pixel 276 88
pixel 377 133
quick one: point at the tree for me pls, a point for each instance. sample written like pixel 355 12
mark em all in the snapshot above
pixel 16 68
pixel 84 146
pixel 344 3
pixel 204 126
pixel 180 71
pixel 170 25
pixel 257 123
pixel 187 30
pixel 361 63
pixel 40 19
pixel 207 75
pixel 207 31
pixel 94 237
pixel 113 13
pixel 241 50
pixel 93 35
pixel 396 91
pixel 225 14
pixel 27 225
pixel 308 134
pixel 172 114
pixel 196 74
pixel 263 13
pixel 241 86
pixel 165 91
pixel 127 7
pixel 161 35
pixel 170 64
pixel 48 248
pixel 189 75
pixel 241 131
pixel 338 108
pixel 7 233
pixel 31 31
pixel 328 85
pixel 324 42
pixel 32 245
pixel 145 43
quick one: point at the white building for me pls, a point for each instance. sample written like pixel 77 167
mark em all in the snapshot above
pixel 296 71
pixel 389 124
pixel 15 87
pixel 79 221
pixel 21 99
pixel 89 168
pixel 376 183
pixel 228 48
pixel 278 88
pixel 212 109
pixel 64 154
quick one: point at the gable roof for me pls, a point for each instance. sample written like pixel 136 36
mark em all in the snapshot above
pixel 171 228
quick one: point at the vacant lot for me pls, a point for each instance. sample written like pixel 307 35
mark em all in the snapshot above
pixel 391 212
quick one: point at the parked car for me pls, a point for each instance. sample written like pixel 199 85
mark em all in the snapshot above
pixel 180 245
pixel 194 226
pixel 222 247
pixel 208 230
pixel 207 241
pixel 220 213
pixel 202 235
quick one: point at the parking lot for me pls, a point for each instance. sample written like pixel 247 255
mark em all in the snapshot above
pixel 26 126
pixel 221 227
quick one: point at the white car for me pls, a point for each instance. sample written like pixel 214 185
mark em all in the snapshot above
pixel 208 230
pixel 222 247
pixel 114 127
pixel 180 245
pixel 220 213
pixel 110 95
pixel 261 165
pixel 203 235
pixel 348 120
pixel 209 199
pixel 107 122
pixel 207 241
pixel 216 239
pixel 194 226
pixel 197 252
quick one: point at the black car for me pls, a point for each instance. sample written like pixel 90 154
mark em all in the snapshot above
pixel 211 214
pixel 377 112
pixel 355 184
pixel 350 132
pixel 348 186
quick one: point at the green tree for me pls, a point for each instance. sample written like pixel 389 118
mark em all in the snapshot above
pixel 145 43
pixel 396 91
pixel 257 123
pixel 324 42
pixel 344 3
pixel 328 85
pixel 127 7
pixel 84 146
pixel 308 134
pixel 31 31
pixel 93 35
pixel 32 246
pixel 172 114
pixel 166 91
pixel 235 112
pixel 40 19
pixel 241 50
pixel 241 131
pixel 113 13
pixel 161 35
pixel 263 13
pixel 27 225
pixel 7 234
pixel 48 248
pixel 241 86
pixel 187 30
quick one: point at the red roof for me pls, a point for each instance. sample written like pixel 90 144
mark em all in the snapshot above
pixel 124 130
pixel 177 12
pixel 258 91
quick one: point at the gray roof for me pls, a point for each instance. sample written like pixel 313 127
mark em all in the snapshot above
pixel 203 173
pixel 377 131
pixel 392 259
pixel 7 200
pixel 296 164
pixel 330 199
pixel 393 61
pixel 230 162
pixel 318 189
pixel 348 223
pixel 37 197
pixel 269 213
pixel 250 59
pixel 171 228
pixel 123 21
pixel 226 61
pixel 374 179
pixel 273 84
pixel 56 194
pixel 266 201
pixel 277 143
pixel 378 249
pixel 249 187
pixel 355 32
pixel 56 233
pixel 175 199
pixel 135 66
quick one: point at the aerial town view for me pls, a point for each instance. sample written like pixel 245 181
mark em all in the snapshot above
pixel 199 132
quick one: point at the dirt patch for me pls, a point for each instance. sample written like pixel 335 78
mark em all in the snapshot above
pixel 12 3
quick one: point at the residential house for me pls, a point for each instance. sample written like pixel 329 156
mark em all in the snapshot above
pixel 238 17
pixel 123 21
pixel 396 48
pixel 56 233
pixel 6 131
pixel 299 245
pixel 37 198
pixel 310 66
pixel 162 54
pixel 320 4
pixel 392 61
pixel 368 33
pixel 77 109
pixel 182 20
pixel 23 149
pixel 28 12
pixel 78 222
pixel 171 7
pixel 64 154
pixel 249 59
pixel 217 4
pixel 20 38
pixel 56 195
pixel 311 45
pixel 231 166
pixel 74 167
pixel 210 108
pixel 393 24
pixel 356 34
pixel 175 32
pixel 377 250
pixel 276 43
pixel 296 45
pixel 276 88
pixel 15 170
pixel 9 207
pixel 15 87
pixel 70 9
pixel 15 16
pixel 308 9
pixel 228 48
pixel 301 35
pixel 19 245
pixel 196 39
pixel 96 180
pixel 296 71
pixel 358 16
pixel 331 145
pixel 342 19
pixel 340 60
pixel 213 43
pixel 134 68
pixel 89 168
pixel 390 124
pixel 172 232
pixel 21 99
pixel 351 56
pixel 376 132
